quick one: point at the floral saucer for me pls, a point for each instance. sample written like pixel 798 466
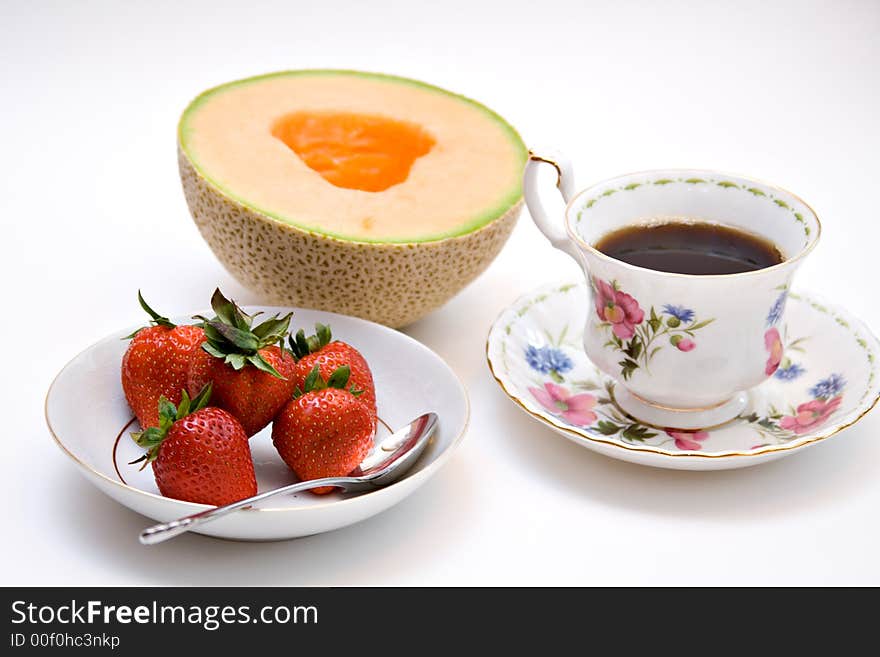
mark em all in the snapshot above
pixel 826 381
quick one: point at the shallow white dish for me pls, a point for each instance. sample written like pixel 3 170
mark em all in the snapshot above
pixel 826 382
pixel 89 419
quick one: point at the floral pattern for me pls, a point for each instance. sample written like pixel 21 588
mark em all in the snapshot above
pixel 789 372
pixel 548 360
pixel 779 363
pixel 790 408
pixel 777 308
pixel 601 414
pixel 574 409
pixel 618 309
pixel 639 339
pixel 810 415
pixel 806 417
pixel 830 387
pixel 688 440
pixel 680 313
pixel 773 343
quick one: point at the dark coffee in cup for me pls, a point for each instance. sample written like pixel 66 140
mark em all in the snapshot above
pixel 685 246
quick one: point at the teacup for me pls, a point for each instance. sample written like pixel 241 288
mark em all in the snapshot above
pixel 684 349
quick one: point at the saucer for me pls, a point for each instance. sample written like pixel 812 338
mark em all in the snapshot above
pixel 826 382
pixel 90 421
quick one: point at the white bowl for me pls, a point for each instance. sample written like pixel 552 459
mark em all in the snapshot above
pixel 88 417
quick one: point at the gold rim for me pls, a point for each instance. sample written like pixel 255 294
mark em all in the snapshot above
pixel 656 450
pixel 553 163
pixel 424 472
pixel 675 409
pixel 594 251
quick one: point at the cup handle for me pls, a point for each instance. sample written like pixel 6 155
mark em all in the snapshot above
pixel 565 183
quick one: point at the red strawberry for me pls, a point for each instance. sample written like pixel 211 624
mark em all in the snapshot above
pixel 199 454
pixel 251 379
pixel 319 350
pixel 324 432
pixel 156 364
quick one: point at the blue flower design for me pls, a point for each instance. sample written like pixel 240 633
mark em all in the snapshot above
pixel 548 359
pixel 828 388
pixel 558 361
pixel 789 373
pixel 776 310
pixel 536 359
pixel 679 312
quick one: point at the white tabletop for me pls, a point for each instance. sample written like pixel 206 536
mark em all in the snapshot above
pixel 92 209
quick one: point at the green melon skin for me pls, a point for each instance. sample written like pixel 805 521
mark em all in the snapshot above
pixel 392 283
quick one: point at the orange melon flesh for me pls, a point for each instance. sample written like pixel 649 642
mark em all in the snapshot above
pixel 357 156
pixel 355 151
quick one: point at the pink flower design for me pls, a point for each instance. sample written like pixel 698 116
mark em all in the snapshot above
pixel 617 308
pixel 686 344
pixel 810 415
pixel 575 409
pixel 774 347
pixel 689 440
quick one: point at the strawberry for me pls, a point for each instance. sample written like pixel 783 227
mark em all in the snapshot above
pixel 252 378
pixel 319 350
pixel 156 364
pixel 199 453
pixel 325 431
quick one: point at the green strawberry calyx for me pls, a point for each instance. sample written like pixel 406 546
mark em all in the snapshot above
pixel 338 379
pixel 151 438
pixel 232 337
pixel 301 346
pixel 155 318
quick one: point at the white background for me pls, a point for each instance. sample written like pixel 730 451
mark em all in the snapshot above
pixel 91 209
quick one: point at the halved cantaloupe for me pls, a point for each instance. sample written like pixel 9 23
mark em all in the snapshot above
pixel 360 193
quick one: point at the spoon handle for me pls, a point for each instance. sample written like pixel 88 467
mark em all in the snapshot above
pixel 166 530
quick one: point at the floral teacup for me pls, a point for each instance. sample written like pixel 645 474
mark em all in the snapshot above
pixel 685 349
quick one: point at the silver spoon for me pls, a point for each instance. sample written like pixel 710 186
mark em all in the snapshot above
pixel 386 463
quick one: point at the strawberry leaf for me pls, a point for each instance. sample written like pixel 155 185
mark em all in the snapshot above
pixel 149 437
pixel 231 337
pixel 313 380
pixel 228 311
pixel 313 343
pixel 322 332
pixel 167 410
pixel 262 364
pixel 184 405
pixel 236 360
pixel 201 400
pixel 243 340
pixel 339 377
pixel 143 457
pixel 273 329
pixel 156 317
pixel 299 345
pixel 211 333
pixel 214 351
